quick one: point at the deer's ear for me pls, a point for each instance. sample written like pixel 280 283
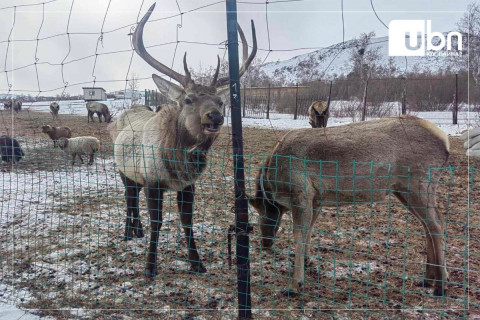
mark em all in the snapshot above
pixel 167 88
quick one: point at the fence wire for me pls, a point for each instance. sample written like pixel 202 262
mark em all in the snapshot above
pixel 63 251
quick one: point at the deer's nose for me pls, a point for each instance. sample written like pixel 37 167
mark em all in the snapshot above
pixel 216 117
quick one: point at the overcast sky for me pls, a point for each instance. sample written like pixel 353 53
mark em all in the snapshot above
pixel 291 25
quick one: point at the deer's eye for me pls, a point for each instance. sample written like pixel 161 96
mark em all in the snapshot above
pixel 220 103
pixel 188 101
pixel 202 94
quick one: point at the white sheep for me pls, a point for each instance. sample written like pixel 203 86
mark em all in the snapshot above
pixel 79 146
pixel 472 142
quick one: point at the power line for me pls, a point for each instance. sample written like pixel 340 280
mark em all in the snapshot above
pixel 371 3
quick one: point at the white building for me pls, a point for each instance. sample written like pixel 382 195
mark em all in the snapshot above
pixel 129 94
pixel 94 94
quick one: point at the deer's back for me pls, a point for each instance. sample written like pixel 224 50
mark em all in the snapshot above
pixel 358 162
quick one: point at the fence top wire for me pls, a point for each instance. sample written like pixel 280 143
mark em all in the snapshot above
pixel 102 33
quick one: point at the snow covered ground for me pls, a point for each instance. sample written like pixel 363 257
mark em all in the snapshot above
pixel 41 204
pixel 443 120
pixel 277 121
pixel 9 312
pixel 78 106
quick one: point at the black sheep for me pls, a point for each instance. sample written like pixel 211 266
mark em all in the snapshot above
pixel 10 150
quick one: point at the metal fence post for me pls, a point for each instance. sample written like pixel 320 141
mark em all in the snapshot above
pixel 455 109
pixel 268 102
pixel 295 115
pixel 329 95
pixel 244 99
pixel 241 205
pixel 364 111
pixel 404 98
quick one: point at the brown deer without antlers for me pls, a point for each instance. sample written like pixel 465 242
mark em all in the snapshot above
pixel 54 109
pixel 318 114
pixel 168 150
pixel 409 145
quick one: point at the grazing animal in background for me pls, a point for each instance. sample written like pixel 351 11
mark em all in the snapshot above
pixel 56 133
pixel 472 142
pixel 100 109
pixel 168 150
pixel 17 106
pixel 407 146
pixel 318 114
pixel 54 108
pixel 80 146
pixel 7 104
pixel 10 150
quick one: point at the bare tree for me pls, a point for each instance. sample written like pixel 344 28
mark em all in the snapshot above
pixel 469 25
pixel 133 85
pixel 254 77
pixel 364 57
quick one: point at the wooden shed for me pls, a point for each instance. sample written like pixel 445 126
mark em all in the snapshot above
pixel 94 94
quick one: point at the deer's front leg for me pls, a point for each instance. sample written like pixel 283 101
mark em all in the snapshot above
pixel 154 202
pixel 302 220
pixel 185 200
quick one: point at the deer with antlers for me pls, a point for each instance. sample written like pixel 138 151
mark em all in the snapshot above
pixel 168 150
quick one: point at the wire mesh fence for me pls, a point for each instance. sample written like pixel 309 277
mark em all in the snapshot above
pixel 64 252
pixel 353 97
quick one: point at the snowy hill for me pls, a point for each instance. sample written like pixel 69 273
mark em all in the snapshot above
pixel 336 60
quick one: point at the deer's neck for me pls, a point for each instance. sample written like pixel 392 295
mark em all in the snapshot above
pixel 184 140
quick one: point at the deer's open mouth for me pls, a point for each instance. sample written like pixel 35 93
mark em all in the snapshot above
pixel 211 127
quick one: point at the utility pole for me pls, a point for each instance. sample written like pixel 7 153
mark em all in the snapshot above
pixel 241 204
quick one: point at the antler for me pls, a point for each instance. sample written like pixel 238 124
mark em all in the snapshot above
pixel 215 76
pixel 247 59
pixel 142 52
pixel 188 76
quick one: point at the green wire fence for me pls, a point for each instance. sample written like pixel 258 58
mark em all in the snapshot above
pixel 63 251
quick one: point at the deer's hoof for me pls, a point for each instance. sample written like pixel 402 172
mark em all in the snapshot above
pixel 439 292
pixel 139 233
pixel 150 272
pixel 289 293
pixel 198 268
pixel 424 284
